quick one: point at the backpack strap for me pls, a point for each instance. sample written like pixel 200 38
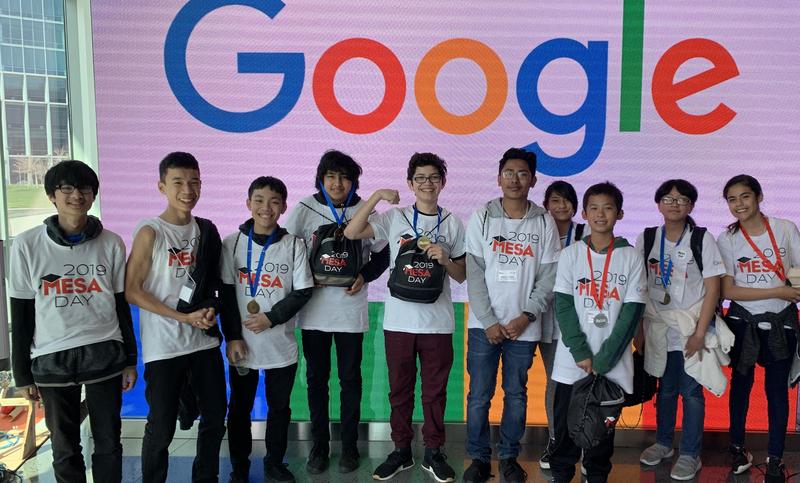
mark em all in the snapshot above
pixel 696 243
pixel 649 241
pixel 579 231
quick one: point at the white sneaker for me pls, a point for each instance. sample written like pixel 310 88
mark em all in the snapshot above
pixel 654 454
pixel 685 468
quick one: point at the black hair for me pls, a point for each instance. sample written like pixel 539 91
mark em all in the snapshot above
pixel 419 160
pixel 338 162
pixel 179 160
pixel 71 172
pixel 517 153
pixel 270 182
pixel 564 190
pixel 605 188
pixel 684 187
pixel 746 180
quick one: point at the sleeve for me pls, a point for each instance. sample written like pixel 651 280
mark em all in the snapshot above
pixel 227 268
pixel 565 313
pixel 302 287
pixel 542 294
pixel 794 246
pixel 612 349
pixel 23 325
pixel 119 257
pixel 457 249
pixel 725 245
pixel 477 289
pixel 640 245
pixel 712 258
pixel 377 264
pixel 552 242
pixel 19 275
pixel 293 222
pixel 229 317
pixel 473 240
pixel 637 280
pixel 126 327
pixel 381 224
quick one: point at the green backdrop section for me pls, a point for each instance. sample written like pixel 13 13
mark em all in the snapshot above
pixel 375 399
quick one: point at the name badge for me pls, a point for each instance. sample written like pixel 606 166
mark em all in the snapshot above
pixel 187 291
pixel 507 276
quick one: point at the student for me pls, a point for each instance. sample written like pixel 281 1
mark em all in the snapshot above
pixel 337 310
pixel 266 280
pixel 676 282
pixel 561 201
pixel 600 294
pixel 421 323
pixel 512 250
pixel 72 326
pixel 758 252
pixel 173 276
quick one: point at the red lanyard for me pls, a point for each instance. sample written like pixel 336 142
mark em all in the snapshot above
pixel 777 267
pixel 599 297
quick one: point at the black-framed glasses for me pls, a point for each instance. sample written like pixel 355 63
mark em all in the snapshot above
pixel 421 178
pixel 681 200
pixel 68 189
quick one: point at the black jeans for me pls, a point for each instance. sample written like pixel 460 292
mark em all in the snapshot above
pixel 278 385
pixel 597 460
pixel 164 380
pixel 317 351
pixel 62 407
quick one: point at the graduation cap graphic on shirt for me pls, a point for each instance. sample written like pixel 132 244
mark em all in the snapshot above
pixel 174 250
pixel 652 261
pixel 51 277
pixel 405 238
pixel 583 281
pixel 744 260
pixel 243 270
pixel 498 238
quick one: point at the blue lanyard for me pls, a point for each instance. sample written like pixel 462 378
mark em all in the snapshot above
pixel 438 223
pixel 666 271
pixel 339 220
pixel 569 234
pixel 252 284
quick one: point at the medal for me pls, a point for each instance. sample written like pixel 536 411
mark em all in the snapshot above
pixel 600 320
pixel 423 242
pixel 253 307
pixel 667 299
pixel 665 268
pixel 341 221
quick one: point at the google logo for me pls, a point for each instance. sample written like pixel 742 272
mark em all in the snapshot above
pixel 590 116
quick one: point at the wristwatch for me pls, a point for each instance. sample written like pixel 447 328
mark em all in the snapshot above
pixel 531 317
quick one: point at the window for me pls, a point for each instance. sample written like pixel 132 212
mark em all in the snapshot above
pixel 54 10
pixel 10 7
pixel 34 61
pixel 36 88
pixel 56 63
pixel 54 36
pixel 10 30
pixel 15 128
pixel 32 9
pixel 37 123
pixel 11 59
pixel 12 87
pixel 33 33
pixel 58 89
pixel 59 130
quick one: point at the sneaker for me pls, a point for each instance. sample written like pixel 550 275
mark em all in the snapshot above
pixel 685 468
pixel 277 472
pixel 512 472
pixel 237 478
pixel 435 463
pixel 654 454
pixel 776 471
pixel 318 459
pixel 478 472
pixel 544 460
pixel 349 461
pixel 397 461
pixel 742 460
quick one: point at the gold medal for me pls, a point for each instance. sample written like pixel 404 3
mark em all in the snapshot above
pixel 253 307
pixel 423 242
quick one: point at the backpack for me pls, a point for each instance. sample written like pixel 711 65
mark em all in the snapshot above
pixel 594 410
pixel 335 260
pixel 695 243
pixel 415 277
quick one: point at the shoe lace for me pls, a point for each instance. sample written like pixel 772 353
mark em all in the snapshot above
pixel 396 458
pixel 513 468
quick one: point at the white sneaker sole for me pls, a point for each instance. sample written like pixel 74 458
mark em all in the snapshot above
pixel 687 477
pixel 429 469
pixel 398 470
pixel 658 461
pixel 743 468
pixel 544 465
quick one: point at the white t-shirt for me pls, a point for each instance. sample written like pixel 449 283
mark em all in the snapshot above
pixel 72 287
pixel 395 226
pixel 625 283
pixel 330 308
pixel 174 252
pixel 746 267
pixel 513 250
pixel 686 286
pixel 285 269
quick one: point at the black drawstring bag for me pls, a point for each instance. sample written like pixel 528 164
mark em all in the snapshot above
pixel 594 410
pixel 644 385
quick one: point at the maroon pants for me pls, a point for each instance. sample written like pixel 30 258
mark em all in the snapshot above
pixel 435 353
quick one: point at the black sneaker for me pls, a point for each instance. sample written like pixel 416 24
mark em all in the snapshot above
pixel 318 458
pixel 776 471
pixel 478 472
pixel 277 472
pixel 435 463
pixel 237 478
pixel 512 472
pixel 348 462
pixel 741 460
pixel 397 461
pixel 544 460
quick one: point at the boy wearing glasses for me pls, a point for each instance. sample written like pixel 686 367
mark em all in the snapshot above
pixel 512 252
pixel 72 326
pixel 433 240
pixel 173 276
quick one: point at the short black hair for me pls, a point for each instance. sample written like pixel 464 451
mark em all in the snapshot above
pixel 177 159
pixel 419 160
pixel 72 172
pixel 338 162
pixel 517 153
pixel 605 188
pixel 684 187
pixel 270 182
pixel 564 190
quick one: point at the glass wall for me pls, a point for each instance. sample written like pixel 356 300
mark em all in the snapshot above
pixel 35 104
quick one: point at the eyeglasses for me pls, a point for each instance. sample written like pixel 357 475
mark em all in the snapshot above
pixel 520 175
pixel 68 189
pixel 422 179
pixel 681 201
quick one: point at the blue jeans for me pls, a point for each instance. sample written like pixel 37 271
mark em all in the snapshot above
pixel 483 359
pixel 675 381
